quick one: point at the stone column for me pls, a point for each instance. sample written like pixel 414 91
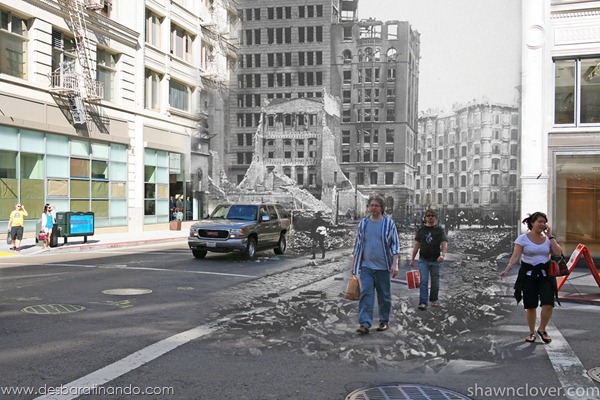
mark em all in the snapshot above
pixel 534 158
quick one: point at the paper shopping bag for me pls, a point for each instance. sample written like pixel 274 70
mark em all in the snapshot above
pixel 352 289
pixel 413 279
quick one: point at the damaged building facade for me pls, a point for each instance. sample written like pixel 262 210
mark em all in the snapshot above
pixel 295 156
pixel 468 162
pixel 375 71
pixel 296 51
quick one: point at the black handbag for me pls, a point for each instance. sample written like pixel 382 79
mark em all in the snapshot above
pixel 8 238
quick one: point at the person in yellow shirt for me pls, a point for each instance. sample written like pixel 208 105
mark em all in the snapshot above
pixel 16 223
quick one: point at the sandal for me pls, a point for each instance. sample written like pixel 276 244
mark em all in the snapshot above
pixel 531 338
pixel 544 335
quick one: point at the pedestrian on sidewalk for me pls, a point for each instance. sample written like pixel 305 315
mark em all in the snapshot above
pixel 431 244
pixel 376 251
pixel 16 224
pixel 318 234
pixel 534 284
pixel 47 225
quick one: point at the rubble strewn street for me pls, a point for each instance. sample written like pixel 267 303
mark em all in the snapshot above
pixel 321 323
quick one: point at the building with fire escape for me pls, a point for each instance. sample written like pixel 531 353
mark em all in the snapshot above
pixel 102 101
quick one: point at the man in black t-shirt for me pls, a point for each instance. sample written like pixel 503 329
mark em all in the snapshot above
pixel 431 244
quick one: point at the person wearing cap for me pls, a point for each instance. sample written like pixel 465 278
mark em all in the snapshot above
pixel 318 232
pixel 431 244
pixel 16 224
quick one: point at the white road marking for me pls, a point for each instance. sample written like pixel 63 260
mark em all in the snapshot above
pixel 124 267
pixel 135 360
pixel 577 385
pixel 129 363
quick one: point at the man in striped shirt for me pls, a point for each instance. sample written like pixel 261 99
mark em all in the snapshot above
pixel 376 252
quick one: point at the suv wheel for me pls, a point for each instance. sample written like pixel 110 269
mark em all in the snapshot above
pixel 281 245
pixel 199 253
pixel 251 249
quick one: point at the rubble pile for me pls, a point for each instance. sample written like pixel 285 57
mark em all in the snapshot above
pixel 322 324
pixel 338 236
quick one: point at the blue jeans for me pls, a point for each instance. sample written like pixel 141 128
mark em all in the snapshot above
pixel 427 268
pixel 372 281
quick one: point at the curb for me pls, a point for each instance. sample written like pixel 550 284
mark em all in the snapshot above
pixel 97 246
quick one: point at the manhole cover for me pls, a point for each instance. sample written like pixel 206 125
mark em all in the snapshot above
pixel 594 373
pixel 127 292
pixel 51 309
pixel 405 392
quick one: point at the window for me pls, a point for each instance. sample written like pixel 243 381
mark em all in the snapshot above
pixel 153 80
pixel 181 43
pixel 373 178
pixel 13 45
pixel 577 91
pixel 153 23
pixel 389 178
pixel 106 64
pixel 180 95
pixel 63 60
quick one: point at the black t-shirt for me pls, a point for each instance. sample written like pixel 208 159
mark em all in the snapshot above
pixel 430 239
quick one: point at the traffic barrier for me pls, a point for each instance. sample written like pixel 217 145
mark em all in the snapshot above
pixel 580 250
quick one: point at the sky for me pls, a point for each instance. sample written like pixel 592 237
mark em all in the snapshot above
pixel 470 49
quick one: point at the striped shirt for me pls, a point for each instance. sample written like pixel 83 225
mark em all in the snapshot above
pixel 389 238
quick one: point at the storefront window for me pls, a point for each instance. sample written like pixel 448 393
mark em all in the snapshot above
pixel 577 201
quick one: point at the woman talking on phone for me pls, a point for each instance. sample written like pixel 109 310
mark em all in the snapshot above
pixel 534 285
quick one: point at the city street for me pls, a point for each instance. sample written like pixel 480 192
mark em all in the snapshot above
pixel 275 328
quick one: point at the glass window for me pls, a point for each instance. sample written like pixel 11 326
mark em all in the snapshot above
pixel 80 168
pixel 13 45
pixel 99 169
pixel 106 69
pixel 179 95
pixel 33 142
pixel 80 189
pixel 153 82
pixel 8 165
pixel 79 148
pixel 577 91
pixel 118 152
pixel 577 201
pixel 9 138
pixel 57 167
pixel 32 166
pixel 57 187
pixel 100 150
pixel 118 171
pixel 56 144
pixel 153 22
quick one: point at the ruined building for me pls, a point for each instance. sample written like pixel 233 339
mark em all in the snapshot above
pixel 375 70
pixel 291 51
pixel 295 156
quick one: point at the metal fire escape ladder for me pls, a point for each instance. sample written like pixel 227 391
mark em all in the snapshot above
pixel 76 10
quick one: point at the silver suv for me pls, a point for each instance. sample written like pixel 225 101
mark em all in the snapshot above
pixel 245 228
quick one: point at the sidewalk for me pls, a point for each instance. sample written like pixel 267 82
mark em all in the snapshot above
pixel 96 242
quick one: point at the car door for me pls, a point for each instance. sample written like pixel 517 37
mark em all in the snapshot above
pixel 263 228
pixel 273 225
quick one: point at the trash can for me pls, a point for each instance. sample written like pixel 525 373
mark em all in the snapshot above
pixel 175 225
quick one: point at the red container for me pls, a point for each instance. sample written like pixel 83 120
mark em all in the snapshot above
pixel 413 279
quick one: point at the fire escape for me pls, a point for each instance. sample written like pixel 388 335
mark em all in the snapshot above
pixel 65 81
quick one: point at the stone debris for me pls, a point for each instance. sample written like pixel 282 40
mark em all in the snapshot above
pixel 322 325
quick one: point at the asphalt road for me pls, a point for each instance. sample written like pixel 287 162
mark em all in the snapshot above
pixel 229 328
